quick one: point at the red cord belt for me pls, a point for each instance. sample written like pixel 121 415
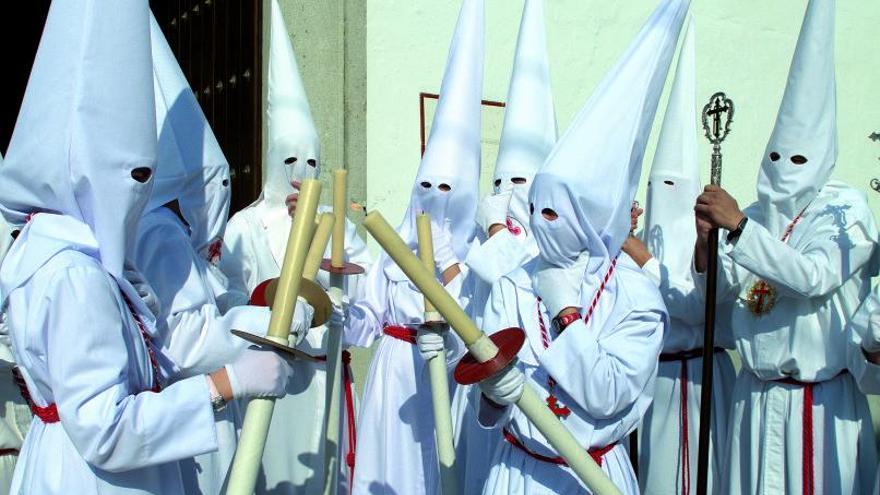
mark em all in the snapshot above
pixel 349 408
pixel 596 453
pixel 399 332
pixel 684 441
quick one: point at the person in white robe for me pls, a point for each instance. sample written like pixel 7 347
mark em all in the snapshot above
pixel 594 322
pixel 396 448
pixel 864 350
pixel 113 415
pixel 253 251
pixel 797 264
pixel 198 333
pixel 669 435
pixel 505 241
pixel 15 414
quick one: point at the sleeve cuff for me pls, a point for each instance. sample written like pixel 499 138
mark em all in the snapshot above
pixel 651 268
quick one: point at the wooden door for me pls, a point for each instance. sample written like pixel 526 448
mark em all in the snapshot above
pixel 218 45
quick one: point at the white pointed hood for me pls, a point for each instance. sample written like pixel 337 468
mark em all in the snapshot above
pixel 806 125
pixel 452 154
pixel 169 178
pixel 294 150
pixel 86 122
pixel 591 176
pixel 529 130
pixel 674 182
pixel 184 132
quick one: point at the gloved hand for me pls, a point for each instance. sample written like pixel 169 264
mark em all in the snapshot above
pixel 871 341
pixel 505 387
pixel 339 311
pixel 258 373
pixel 144 290
pixel 430 342
pixel 560 288
pixel 302 320
pixel 444 255
pixel 493 210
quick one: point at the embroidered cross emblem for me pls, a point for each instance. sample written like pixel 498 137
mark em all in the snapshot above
pixel 761 297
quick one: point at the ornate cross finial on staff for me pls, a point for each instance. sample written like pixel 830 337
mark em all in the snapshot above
pixel 717 117
pixel 720 109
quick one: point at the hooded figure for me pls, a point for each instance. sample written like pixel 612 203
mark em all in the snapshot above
pixel 527 137
pixel 253 251
pixel 81 333
pixel 15 412
pixel 196 333
pixel 797 265
pixel 673 186
pixel 593 322
pixel 396 420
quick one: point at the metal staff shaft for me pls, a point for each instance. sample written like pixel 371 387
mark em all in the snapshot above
pixel 719 106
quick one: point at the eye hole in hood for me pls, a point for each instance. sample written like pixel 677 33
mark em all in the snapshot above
pixel 290 160
pixel 799 159
pixel 142 174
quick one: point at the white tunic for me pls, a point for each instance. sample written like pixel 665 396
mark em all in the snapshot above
pixel 15 413
pixel 293 462
pixel 197 335
pixel 866 373
pixel 604 373
pixel 821 275
pixel 79 347
pixel 663 466
pixel 396 451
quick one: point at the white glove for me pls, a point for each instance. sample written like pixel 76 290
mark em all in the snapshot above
pixel 258 373
pixel 871 341
pixel 430 342
pixel 493 210
pixel 339 310
pixel 505 387
pixel 444 255
pixel 560 288
pixel 302 320
pixel 144 290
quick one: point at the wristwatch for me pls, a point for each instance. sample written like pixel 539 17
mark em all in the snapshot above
pixel 218 403
pixel 561 322
pixel 735 233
